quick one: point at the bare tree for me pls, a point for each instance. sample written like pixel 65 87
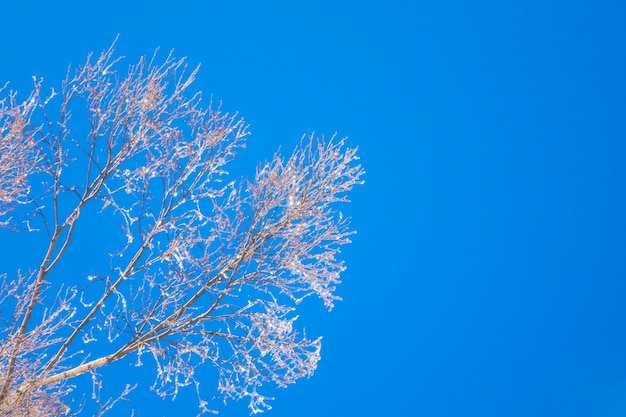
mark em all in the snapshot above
pixel 207 269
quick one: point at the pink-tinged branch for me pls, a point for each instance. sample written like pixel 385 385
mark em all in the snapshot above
pixel 206 268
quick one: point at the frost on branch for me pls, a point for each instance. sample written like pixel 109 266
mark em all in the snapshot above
pixel 18 153
pixel 270 351
pixel 206 269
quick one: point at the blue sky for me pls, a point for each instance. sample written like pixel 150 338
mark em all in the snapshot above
pixel 487 277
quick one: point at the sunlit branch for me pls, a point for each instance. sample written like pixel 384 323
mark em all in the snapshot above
pixel 208 268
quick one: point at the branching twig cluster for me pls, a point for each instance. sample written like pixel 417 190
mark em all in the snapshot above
pixel 207 271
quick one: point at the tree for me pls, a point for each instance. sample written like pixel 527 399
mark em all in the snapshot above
pixel 205 268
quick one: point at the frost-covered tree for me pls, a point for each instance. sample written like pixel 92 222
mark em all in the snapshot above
pixel 206 269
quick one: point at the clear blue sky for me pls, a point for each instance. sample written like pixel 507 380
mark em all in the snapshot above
pixel 488 277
